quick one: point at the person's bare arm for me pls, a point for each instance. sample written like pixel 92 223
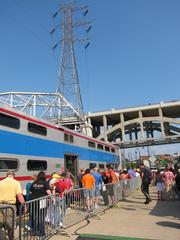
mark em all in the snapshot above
pixel 22 201
pixel 20 198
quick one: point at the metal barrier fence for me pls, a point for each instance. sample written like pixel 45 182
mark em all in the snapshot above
pixel 80 203
pixel 41 218
pixel 45 216
pixel 7 221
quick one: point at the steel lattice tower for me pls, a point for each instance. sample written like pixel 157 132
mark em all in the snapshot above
pixel 68 80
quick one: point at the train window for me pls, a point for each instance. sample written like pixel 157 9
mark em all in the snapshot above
pixel 107 149
pixel 38 129
pixel 92 165
pixel 112 150
pixel 36 165
pixel 8 164
pixel 71 138
pixel 99 146
pixel 91 144
pixel 9 121
pixel 101 166
pixel 66 137
pixel 108 165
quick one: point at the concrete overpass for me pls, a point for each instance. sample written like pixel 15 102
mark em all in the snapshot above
pixel 152 124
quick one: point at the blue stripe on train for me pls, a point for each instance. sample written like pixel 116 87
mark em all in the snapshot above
pixel 15 143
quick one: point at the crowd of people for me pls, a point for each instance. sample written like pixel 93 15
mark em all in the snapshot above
pixel 96 185
pixel 168 183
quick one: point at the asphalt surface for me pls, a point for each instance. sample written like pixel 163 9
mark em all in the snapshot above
pixel 131 218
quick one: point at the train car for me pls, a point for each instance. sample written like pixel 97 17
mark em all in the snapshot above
pixel 29 145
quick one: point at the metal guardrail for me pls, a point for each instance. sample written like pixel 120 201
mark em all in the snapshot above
pixel 7 221
pixel 45 216
pixel 42 218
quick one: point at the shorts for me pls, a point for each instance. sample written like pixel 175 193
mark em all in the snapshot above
pixel 160 187
pixel 88 193
pixel 110 188
pixel 97 191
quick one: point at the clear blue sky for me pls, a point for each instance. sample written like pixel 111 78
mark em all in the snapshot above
pixel 133 59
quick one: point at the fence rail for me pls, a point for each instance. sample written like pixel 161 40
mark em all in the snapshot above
pixel 43 217
pixel 7 221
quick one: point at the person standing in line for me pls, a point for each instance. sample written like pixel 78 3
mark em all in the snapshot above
pixel 53 211
pixel 98 183
pixel 159 184
pixel 124 177
pixel 168 178
pixel 28 185
pixel 68 183
pixel 104 190
pixel 145 174
pixel 131 172
pixel 80 176
pixel 39 188
pixel 10 189
pixel 88 182
pixel 112 184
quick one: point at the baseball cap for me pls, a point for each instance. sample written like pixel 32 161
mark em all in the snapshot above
pixel 55 175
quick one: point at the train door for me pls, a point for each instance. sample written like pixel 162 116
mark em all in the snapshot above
pixel 71 164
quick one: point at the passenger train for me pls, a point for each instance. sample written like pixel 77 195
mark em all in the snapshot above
pixel 29 145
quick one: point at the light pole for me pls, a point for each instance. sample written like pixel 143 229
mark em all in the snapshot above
pixel 148 152
pixel 130 158
pixel 139 156
pixel 122 157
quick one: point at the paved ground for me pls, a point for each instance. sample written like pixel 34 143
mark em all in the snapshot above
pixel 158 220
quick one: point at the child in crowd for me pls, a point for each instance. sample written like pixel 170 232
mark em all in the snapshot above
pixel 159 184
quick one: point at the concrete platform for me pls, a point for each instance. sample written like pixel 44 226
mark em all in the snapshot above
pixel 132 218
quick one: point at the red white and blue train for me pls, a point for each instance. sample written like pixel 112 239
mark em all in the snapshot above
pixel 29 145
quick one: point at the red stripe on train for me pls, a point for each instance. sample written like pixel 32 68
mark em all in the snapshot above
pixel 23 178
pixel 52 126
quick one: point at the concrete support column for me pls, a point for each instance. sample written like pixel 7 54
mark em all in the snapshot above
pixel 130 134
pixel 152 133
pixel 89 120
pixel 123 128
pixel 136 133
pixel 141 123
pixel 105 126
pixel 161 122
pixel 98 129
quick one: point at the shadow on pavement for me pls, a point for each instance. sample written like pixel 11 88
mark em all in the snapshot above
pixel 166 208
pixel 130 201
pixel 169 224
pixel 129 208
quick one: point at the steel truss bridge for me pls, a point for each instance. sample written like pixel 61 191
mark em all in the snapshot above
pixel 152 124
pixel 45 106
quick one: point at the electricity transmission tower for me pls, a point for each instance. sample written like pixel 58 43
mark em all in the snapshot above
pixel 68 80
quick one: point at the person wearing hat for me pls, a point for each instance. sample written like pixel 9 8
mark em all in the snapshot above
pixel 10 188
pixel 54 178
pixel 54 175
pixel 53 212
